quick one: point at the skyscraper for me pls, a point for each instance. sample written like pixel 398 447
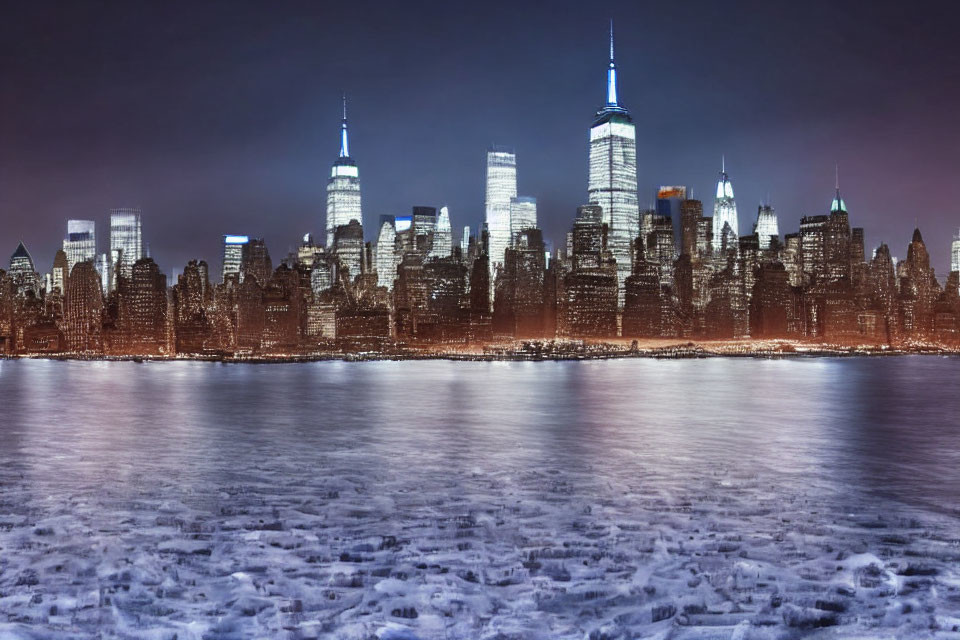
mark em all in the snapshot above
pixel 724 212
pixel 343 188
pixel 83 315
pixel 126 239
pixel 386 253
pixel 442 245
pixel 955 253
pixel 612 179
pixel 501 187
pixel 767 226
pixel 25 276
pixel 234 247
pixel 523 216
pixel 81 242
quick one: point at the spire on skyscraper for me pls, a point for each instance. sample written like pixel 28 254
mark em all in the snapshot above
pixel 612 104
pixel 612 74
pixel 344 144
pixel 838 204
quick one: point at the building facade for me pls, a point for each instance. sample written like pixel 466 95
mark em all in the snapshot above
pixel 501 188
pixel 612 181
pixel 81 242
pixel 126 240
pixel 343 188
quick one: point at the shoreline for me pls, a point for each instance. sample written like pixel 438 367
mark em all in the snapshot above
pixel 542 351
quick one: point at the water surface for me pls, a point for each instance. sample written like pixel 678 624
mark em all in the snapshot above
pixel 434 499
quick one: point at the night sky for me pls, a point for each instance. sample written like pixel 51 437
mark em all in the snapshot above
pixel 223 117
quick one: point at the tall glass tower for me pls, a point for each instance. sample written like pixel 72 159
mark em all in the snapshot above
pixel 955 253
pixel 523 216
pixel 343 188
pixel 80 243
pixel 126 239
pixel 501 188
pixel 724 212
pixel 767 226
pixel 612 182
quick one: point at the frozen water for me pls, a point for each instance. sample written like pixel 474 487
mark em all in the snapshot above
pixel 721 498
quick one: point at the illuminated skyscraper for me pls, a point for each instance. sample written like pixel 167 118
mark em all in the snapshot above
pixel 955 253
pixel 523 216
pixel 234 247
pixel 126 239
pixel 612 180
pixel 724 212
pixel 386 253
pixel 25 277
pixel 80 243
pixel 343 188
pixel 442 245
pixel 501 187
pixel 767 226
pixel 465 241
pixel 83 315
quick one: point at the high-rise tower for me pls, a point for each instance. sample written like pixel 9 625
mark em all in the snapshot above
pixel 612 182
pixel 955 253
pixel 724 213
pixel 80 243
pixel 126 240
pixel 767 228
pixel 343 188
pixel 501 188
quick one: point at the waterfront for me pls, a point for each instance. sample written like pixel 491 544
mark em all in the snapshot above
pixel 433 499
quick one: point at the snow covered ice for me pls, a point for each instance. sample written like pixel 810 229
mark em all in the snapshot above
pixel 397 500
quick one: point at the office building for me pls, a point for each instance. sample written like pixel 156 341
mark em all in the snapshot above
pixel 81 242
pixel 501 188
pixel 126 240
pixel 612 182
pixel 343 188
pixel 725 227
pixel 234 251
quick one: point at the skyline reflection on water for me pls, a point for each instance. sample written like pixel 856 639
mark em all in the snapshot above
pixel 887 425
pixel 120 464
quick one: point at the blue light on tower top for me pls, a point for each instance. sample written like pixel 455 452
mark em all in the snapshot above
pixel 612 106
pixel 344 143
pixel 838 205
pixel 611 75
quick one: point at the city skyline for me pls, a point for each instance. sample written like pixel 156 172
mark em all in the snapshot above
pixel 888 209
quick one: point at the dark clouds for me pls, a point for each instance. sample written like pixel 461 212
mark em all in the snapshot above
pixel 222 117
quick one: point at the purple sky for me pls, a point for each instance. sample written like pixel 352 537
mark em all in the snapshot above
pixel 223 117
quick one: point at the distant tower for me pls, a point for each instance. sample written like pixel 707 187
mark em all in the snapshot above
pixel 81 242
pixel 955 253
pixel 234 252
pixel 724 210
pixel 83 314
pixel 386 255
pixel 442 245
pixel 767 225
pixel 24 275
pixel 612 182
pixel 126 240
pixel 523 216
pixel 501 187
pixel 343 188
pixel 838 205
